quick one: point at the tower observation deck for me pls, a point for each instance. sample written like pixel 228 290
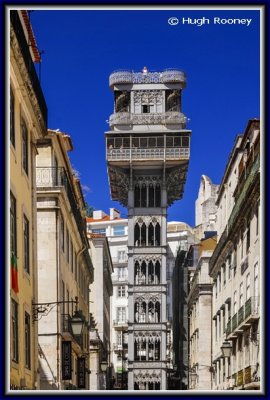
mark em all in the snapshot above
pixel 147 152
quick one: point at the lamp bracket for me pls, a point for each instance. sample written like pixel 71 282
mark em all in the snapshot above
pixel 43 309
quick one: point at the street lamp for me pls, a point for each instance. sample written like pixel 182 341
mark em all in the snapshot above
pixel 226 349
pixel 103 366
pixel 77 323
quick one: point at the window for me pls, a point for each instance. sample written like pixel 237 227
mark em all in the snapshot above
pixel 224 273
pixel 256 280
pixel 122 273
pixel 234 302
pixel 67 241
pixel 248 237
pixel 242 245
pixel 241 295
pixel 24 147
pixel 26 242
pixel 27 341
pixel 121 291
pixel 101 231
pixel 62 233
pixel 12 117
pixel 122 255
pixel 76 266
pixel 229 266
pixel 119 230
pixel 223 320
pixel 145 108
pixel 14 331
pixel 219 282
pixel 13 225
pixel 121 314
pixel 248 286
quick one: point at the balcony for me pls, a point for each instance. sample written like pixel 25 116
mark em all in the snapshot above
pixel 67 330
pixel 120 278
pixel 248 377
pixel 130 77
pixel 120 323
pixel 48 178
pixel 167 118
pixel 246 314
pixel 24 47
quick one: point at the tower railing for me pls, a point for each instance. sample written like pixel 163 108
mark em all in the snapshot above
pixel 174 153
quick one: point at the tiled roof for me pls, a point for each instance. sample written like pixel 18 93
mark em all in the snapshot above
pixel 96 235
pixel 104 219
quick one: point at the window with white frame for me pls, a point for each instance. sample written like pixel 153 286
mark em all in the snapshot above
pixel 256 280
pixel 119 230
pixel 122 273
pixel 229 261
pixel 235 302
pixel 122 255
pixel 241 294
pixel 121 291
pixel 101 231
pixel 248 286
pixel 121 314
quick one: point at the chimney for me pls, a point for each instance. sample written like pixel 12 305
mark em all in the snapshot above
pixel 114 213
pixel 99 214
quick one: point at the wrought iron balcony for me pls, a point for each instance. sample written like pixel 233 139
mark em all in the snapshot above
pixel 245 187
pixel 24 47
pixel 167 118
pixel 130 77
pixel 66 328
pixel 48 178
pixel 243 318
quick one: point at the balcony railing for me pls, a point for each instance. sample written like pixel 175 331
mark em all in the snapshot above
pixel 250 310
pixel 50 177
pixel 167 118
pixel 244 191
pixel 129 77
pixel 120 322
pixel 245 376
pixel 149 153
pixel 66 327
pixel 119 278
pixel 24 47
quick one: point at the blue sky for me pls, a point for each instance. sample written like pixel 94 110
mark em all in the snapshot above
pixel 82 48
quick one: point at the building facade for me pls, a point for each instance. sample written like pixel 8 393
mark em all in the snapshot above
pixel 147 152
pixel 64 267
pixel 101 291
pixel 28 123
pixel 235 267
pixel 199 304
pixel 116 230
